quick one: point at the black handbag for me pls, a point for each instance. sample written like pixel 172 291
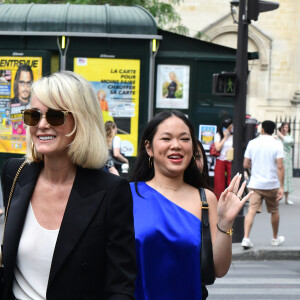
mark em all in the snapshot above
pixel 5 220
pixel 206 254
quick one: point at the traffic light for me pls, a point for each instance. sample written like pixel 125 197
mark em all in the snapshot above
pixel 257 6
pixel 224 84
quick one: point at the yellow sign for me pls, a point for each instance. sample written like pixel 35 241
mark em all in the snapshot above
pixel 117 84
pixel 16 77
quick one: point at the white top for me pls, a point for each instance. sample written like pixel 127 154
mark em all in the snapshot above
pixel 263 152
pixel 116 142
pixel 34 259
pixel 226 146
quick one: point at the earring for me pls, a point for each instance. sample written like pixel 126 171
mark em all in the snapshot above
pixel 195 163
pixel 34 155
pixel 150 162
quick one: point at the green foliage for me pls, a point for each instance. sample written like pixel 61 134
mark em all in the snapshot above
pixel 179 93
pixel 163 11
pixel 202 36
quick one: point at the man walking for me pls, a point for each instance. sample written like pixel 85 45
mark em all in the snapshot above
pixel 264 155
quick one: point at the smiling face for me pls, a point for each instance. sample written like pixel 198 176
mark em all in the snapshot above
pixel 51 141
pixel 171 148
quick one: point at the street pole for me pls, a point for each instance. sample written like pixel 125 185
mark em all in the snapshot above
pixel 240 108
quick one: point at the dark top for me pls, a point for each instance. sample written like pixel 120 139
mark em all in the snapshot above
pixel 94 256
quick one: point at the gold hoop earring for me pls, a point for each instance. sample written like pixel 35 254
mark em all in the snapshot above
pixel 150 162
pixel 33 154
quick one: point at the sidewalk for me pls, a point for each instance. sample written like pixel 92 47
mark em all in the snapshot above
pixel 261 233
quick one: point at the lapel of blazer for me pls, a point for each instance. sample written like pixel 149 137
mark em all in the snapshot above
pixel 17 213
pixel 84 201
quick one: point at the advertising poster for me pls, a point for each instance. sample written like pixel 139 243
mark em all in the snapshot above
pixel 206 137
pixel 16 77
pixel 172 88
pixel 116 83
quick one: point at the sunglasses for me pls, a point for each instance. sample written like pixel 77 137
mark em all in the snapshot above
pixel 32 117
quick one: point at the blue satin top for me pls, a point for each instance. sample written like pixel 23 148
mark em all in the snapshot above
pixel 168 240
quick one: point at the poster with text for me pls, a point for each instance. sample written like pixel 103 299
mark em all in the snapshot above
pixel 116 83
pixel 16 77
pixel 206 137
pixel 172 88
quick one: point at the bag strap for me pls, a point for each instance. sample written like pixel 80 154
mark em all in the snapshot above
pixel 205 208
pixel 8 205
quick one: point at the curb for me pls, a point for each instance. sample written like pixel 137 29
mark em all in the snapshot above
pixel 288 253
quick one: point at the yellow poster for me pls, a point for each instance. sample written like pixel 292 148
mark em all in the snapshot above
pixel 16 77
pixel 116 83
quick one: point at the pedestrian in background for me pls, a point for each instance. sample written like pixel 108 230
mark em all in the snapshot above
pixel 223 143
pixel 167 212
pixel 119 158
pixel 264 155
pixel 69 232
pixel 284 133
pixel 110 134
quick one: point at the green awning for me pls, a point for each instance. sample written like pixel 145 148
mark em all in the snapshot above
pixel 76 20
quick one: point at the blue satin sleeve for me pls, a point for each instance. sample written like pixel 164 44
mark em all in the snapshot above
pixel 168 242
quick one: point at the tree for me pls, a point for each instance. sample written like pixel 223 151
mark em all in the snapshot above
pixel 163 11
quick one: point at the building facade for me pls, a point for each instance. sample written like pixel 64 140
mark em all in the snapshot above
pixel 274 78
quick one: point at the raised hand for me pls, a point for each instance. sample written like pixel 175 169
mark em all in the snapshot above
pixel 231 201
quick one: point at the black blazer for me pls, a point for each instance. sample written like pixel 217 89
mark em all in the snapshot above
pixel 94 256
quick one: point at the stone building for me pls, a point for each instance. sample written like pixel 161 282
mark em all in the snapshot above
pixel 274 79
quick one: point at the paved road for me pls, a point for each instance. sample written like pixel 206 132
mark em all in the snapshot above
pixel 258 280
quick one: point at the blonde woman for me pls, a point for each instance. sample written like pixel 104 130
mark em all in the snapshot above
pixel 173 85
pixel 69 232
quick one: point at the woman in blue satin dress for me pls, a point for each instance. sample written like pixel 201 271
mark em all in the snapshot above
pixel 167 212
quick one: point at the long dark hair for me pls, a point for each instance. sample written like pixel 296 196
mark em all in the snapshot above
pixel 225 124
pixel 205 173
pixel 142 171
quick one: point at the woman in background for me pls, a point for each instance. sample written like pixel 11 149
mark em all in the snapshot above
pixel 223 143
pixel 118 157
pixel 110 134
pixel 167 212
pixel 284 133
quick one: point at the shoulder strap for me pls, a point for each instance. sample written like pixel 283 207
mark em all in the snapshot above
pixel 8 204
pixel 205 208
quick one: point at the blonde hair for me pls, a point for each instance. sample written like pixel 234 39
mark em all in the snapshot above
pixel 68 91
pixel 101 93
pixel 110 134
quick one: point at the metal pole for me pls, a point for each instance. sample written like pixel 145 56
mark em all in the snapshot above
pixel 240 107
pixel 240 97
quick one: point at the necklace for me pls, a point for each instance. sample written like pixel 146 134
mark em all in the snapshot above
pixel 167 188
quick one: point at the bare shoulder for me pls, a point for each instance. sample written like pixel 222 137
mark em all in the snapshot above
pixel 211 198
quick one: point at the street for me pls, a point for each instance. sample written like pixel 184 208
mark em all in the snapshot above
pixel 258 280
